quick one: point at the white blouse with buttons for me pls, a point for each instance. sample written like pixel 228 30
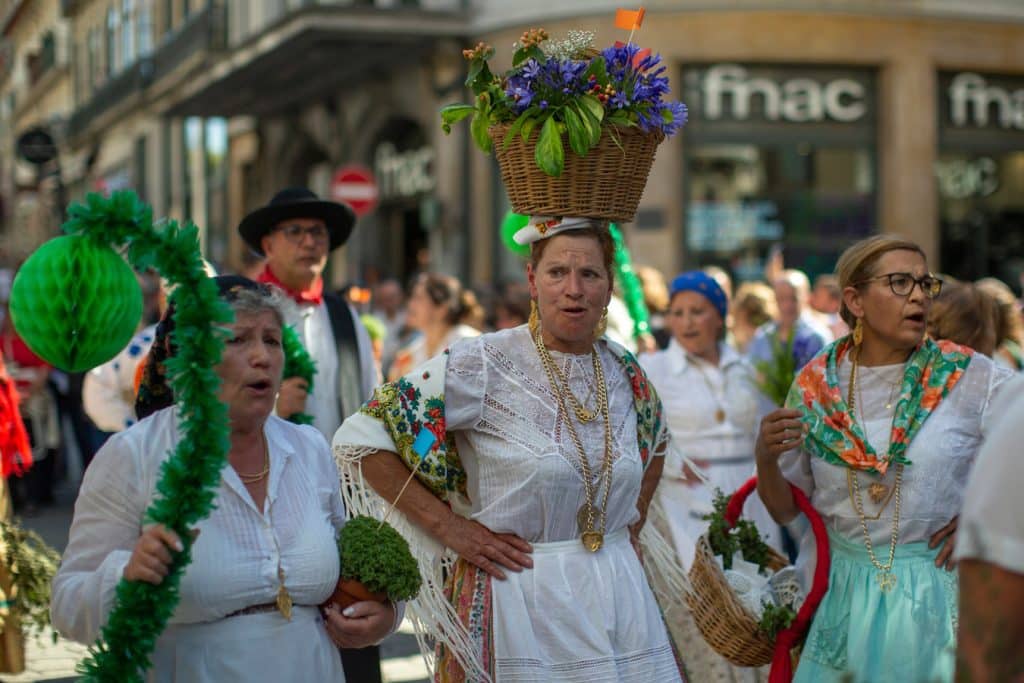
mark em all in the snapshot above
pixel 235 557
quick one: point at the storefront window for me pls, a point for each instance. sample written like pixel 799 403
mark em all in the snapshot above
pixel 778 156
pixel 980 177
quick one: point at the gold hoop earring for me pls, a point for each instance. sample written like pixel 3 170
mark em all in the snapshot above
pixel 534 321
pixel 602 325
pixel 858 332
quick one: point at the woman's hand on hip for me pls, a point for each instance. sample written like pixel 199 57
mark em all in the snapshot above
pixel 946 534
pixel 151 557
pixel 359 625
pixel 781 430
pixel 487 550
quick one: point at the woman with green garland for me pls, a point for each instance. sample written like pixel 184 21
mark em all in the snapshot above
pixel 265 558
pixel 888 423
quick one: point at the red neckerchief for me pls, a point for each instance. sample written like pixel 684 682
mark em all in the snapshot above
pixel 313 295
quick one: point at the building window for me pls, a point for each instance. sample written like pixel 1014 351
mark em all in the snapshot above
pixel 145 27
pixel 128 35
pixel 94 73
pixel 113 31
pixel 980 176
pixel 778 155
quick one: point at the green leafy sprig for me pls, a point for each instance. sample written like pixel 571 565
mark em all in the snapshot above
pixel 297 363
pixel 377 556
pixel 725 541
pixel 190 477
pixel 775 376
pixel 31 564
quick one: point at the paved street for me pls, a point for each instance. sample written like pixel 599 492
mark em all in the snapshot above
pixel 55 663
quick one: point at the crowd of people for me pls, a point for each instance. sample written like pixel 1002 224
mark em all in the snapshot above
pixel 555 429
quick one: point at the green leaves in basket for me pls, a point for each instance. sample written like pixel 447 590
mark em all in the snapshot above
pixel 377 556
pixel 76 303
pixel 550 155
pixel 774 618
pixel 454 113
pixel 742 537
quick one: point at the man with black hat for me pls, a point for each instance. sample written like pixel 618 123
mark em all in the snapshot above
pixel 295 232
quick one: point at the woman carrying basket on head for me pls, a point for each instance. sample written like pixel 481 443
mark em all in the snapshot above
pixel 888 423
pixel 537 451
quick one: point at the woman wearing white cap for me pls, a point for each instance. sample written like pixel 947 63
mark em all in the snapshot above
pixel 536 450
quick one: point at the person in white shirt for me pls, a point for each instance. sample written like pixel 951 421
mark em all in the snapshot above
pixel 272 530
pixel 711 406
pixel 990 551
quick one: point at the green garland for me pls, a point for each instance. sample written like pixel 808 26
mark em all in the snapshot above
pixel 190 477
pixel 297 363
pixel 632 290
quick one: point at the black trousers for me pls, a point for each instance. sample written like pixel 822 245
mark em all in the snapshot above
pixel 362 665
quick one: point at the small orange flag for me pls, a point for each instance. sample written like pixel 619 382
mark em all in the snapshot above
pixel 629 20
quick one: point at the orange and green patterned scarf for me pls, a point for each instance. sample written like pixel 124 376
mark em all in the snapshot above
pixel 834 436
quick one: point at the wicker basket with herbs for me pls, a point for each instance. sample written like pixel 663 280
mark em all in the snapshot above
pixel 726 623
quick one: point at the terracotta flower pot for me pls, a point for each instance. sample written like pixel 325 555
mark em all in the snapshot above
pixel 350 591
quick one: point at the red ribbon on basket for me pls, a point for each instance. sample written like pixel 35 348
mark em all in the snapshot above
pixel 782 664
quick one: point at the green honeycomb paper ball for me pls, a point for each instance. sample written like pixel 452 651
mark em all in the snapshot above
pixel 76 303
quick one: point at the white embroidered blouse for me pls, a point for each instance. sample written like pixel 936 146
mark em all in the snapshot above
pixel 941 454
pixel 523 469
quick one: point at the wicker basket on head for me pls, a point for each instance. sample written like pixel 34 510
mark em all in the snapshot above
pixel 727 626
pixel 606 183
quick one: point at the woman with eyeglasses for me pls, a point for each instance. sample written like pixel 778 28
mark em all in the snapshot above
pixel 880 431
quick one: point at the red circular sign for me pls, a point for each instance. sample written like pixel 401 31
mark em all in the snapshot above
pixel 355 186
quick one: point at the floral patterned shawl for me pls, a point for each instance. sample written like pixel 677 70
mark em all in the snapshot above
pixel 931 373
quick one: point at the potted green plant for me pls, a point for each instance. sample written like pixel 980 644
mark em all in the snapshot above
pixel 376 564
pixel 608 107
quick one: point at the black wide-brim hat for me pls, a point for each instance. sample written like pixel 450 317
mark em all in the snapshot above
pixel 297 202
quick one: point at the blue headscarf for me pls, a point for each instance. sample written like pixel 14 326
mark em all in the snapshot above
pixel 702 283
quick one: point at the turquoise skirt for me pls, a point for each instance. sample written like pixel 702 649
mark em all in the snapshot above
pixel 862 635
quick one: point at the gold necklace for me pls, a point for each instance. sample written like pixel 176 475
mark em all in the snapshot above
pixel 893 386
pixel 582 414
pixel 719 410
pixel 885 578
pixel 253 478
pixel 587 516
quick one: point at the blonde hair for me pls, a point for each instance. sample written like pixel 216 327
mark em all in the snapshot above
pixel 857 264
pixel 964 313
pixel 1008 319
pixel 755 302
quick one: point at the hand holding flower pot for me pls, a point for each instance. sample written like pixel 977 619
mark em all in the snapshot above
pixel 376 564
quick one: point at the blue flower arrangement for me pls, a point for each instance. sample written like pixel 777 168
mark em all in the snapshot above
pixel 566 88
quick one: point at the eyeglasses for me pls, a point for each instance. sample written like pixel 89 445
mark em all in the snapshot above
pixel 902 284
pixel 294 233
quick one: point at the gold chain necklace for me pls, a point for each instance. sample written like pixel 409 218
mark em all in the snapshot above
pixel 885 578
pixel 587 516
pixel 893 386
pixel 253 478
pixel 562 389
pixel 719 410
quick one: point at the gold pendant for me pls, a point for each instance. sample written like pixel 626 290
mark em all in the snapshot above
pixel 720 415
pixel 284 599
pixel 878 492
pixel 886 581
pixel 586 517
pixel 592 540
pixel 284 603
